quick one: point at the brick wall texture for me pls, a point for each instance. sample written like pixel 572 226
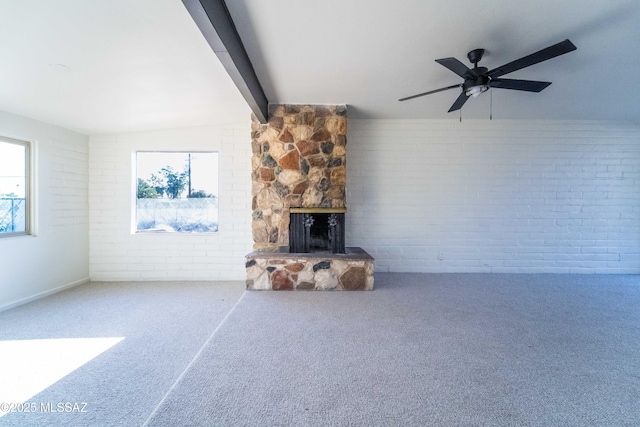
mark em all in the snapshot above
pixel 495 196
pixel 423 196
pixel 118 254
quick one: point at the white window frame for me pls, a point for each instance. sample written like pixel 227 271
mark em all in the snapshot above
pixel 28 193
pixel 134 172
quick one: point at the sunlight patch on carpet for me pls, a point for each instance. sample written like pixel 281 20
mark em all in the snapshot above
pixel 27 367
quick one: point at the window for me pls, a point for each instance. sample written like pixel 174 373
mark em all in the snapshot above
pixel 176 192
pixel 14 187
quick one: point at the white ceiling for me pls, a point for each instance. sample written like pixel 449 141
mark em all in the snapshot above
pixel 102 66
pixel 369 53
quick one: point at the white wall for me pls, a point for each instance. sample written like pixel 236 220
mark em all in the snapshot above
pixel 117 254
pixel 424 196
pixel 495 196
pixel 57 255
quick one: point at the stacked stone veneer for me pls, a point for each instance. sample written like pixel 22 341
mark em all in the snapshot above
pixel 349 272
pixel 299 160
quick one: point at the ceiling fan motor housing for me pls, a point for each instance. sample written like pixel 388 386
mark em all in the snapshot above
pixel 481 80
pixel 475 56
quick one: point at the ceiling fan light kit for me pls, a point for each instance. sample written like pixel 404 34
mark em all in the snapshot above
pixel 476 90
pixel 479 79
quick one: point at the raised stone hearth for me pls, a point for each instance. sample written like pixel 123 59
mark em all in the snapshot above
pixel 351 271
pixel 299 205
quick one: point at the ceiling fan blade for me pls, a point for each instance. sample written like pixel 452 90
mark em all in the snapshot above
pixel 429 93
pixel 526 85
pixel 459 102
pixel 457 67
pixel 542 55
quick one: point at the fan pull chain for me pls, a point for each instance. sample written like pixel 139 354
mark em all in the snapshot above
pixel 490 104
pixel 460 110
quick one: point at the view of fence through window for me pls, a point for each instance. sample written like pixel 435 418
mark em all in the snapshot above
pixel 13 186
pixel 177 192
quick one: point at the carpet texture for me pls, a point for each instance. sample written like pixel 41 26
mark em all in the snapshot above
pixel 420 350
pixel 164 324
pixel 423 349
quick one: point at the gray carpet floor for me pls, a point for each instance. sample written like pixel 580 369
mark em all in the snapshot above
pixel 164 324
pixel 420 350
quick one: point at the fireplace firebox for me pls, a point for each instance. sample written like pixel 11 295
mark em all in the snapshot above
pixel 316 230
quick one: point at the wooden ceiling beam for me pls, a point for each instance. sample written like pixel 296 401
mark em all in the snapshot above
pixel 214 21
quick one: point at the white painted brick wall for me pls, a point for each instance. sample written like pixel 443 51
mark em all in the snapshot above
pixel 56 256
pixel 69 183
pixel 495 196
pixel 118 254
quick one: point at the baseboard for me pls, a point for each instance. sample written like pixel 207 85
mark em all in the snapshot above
pixel 44 294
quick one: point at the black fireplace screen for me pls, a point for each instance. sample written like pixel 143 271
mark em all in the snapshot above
pixel 316 232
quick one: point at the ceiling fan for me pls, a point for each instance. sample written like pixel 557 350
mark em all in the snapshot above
pixel 479 79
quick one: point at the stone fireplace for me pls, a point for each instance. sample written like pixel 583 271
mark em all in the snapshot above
pixel 299 203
